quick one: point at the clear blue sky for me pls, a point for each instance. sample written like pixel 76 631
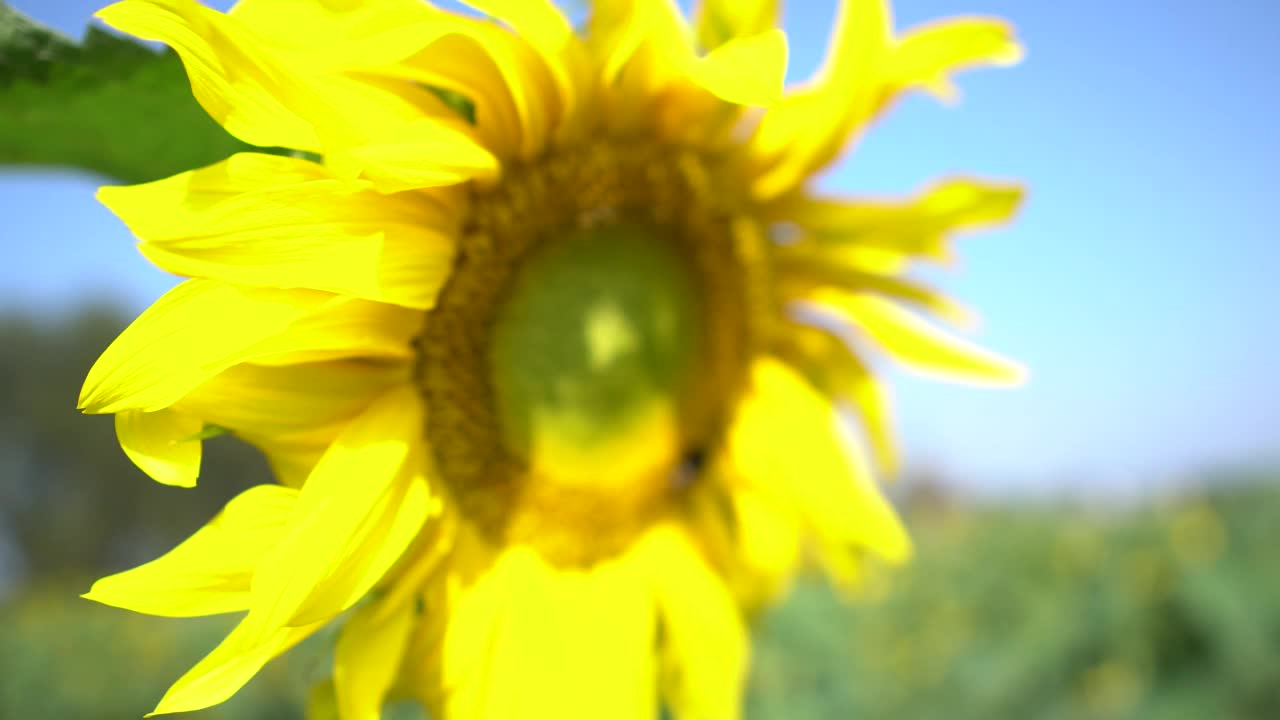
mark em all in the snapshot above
pixel 1140 284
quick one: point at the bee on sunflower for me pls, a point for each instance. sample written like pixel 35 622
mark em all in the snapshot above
pixel 521 344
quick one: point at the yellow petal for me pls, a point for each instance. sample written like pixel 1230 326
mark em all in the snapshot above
pixel 266 95
pixel 180 340
pixel 292 413
pixel 831 366
pixel 202 327
pixel 769 543
pixel 356 52
pixel 809 128
pixel 225 670
pixel 518 95
pixel 482 65
pixel 164 444
pixel 377 46
pixel 359 509
pixel 423 154
pixel 524 639
pixel 539 21
pixel 210 571
pixel 293 457
pixel 704 645
pixel 285 400
pixel 927 56
pixel 652 41
pixel 339 328
pixel 918 227
pixel 788 441
pixel 801 273
pixel 432 548
pixel 719 21
pixel 367 658
pixel 615 30
pixel 288 223
pixel 916 344
pixel 745 70
pixel 168 208
pixel 865 71
pixel 528 87
pixel 341 35
pixel 398 521
pixel 542 25
pixel 753 541
pixel 238 84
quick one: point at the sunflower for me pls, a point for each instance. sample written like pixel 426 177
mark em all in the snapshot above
pixel 542 332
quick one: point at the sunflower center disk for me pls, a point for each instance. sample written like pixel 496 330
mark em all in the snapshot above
pixel 595 332
pixel 591 358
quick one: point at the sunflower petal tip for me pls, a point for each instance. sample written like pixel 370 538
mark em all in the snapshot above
pixel 1011 376
pixel 178 480
pixel 90 401
pixel 115 14
pixel 963 318
pixel 103 14
pixel 749 71
pixel 1021 376
pixel 110 196
pixel 169 705
pixel 96 593
pixel 944 91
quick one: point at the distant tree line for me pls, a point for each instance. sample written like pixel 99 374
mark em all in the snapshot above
pixel 71 504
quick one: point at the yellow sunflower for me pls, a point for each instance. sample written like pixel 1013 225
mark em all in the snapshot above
pixel 516 328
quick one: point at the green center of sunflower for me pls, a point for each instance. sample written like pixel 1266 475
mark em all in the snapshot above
pixel 589 344
pixel 592 352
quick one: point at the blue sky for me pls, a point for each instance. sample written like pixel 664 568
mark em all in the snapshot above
pixel 1139 284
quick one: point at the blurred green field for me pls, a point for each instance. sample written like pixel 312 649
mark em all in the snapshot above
pixel 1167 612
pixel 1171 612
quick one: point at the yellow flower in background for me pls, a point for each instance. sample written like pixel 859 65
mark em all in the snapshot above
pixel 522 345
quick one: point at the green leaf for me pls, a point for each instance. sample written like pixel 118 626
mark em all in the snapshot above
pixel 456 102
pixel 208 432
pixel 109 105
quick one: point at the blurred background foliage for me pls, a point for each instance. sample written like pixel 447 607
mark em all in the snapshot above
pixel 1167 609
pixel 1016 610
